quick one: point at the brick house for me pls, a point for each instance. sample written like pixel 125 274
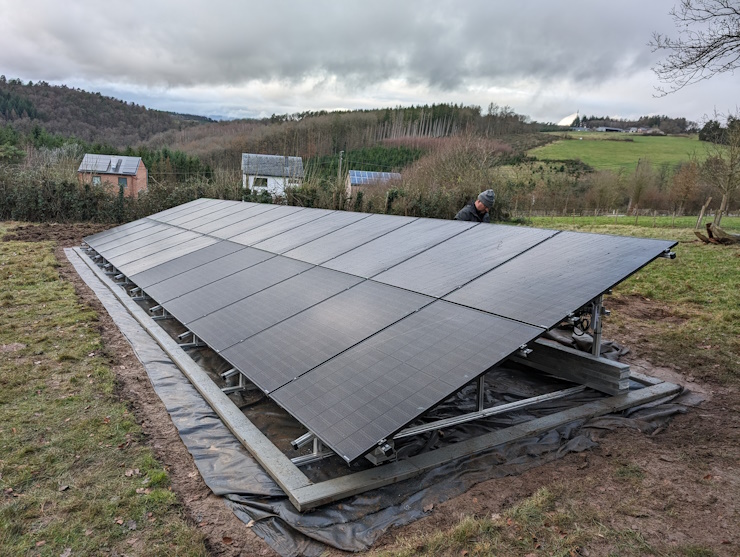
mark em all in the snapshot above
pixel 113 172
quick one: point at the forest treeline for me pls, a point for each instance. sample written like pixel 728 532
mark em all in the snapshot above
pixel 665 124
pixel 90 117
pixel 446 153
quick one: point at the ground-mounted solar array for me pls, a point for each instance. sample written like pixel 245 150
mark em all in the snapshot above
pixel 364 177
pixel 358 323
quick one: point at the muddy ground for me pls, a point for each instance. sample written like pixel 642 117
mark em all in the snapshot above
pixel 688 496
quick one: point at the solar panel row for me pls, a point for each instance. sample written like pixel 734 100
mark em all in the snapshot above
pixel 357 324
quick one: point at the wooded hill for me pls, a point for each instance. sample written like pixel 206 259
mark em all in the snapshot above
pixel 320 134
pixel 91 117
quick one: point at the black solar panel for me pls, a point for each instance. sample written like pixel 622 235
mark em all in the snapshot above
pixel 224 210
pixel 200 276
pixel 275 227
pixel 185 263
pixel 156 244
pixel 141 240
pixel 202 209
pixel 228 290
pixel 543 285
pixel 126 237
pixel 398 245
pixel 347 238
pixel 283 352
pixel 165 254
pixel 374 389
pixel 255 219
pixel 455 262
pixel 356 360
pixel 246 211
pixel 185 207
pixel 310 231
pixel 268 307
pixel 121 234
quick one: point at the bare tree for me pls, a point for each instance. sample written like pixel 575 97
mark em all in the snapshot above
pixel 722 166
pixel 708 43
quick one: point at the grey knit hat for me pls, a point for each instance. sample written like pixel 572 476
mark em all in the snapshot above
pixel 487 198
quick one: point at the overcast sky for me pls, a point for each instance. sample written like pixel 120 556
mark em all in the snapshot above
pixel 543 58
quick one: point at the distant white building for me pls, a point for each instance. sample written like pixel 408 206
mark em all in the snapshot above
pixel 271 173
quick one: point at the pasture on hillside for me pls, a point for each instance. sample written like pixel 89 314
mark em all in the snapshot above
pixel 621 151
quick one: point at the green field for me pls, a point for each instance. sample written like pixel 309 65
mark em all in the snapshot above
pixel 76 473
pixel 616 151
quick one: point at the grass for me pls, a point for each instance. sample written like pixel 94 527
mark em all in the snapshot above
pixel 611 151
pixel 558 521
pixel 75 475
pixel 696 323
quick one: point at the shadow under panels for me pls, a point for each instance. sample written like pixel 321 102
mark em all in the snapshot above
pixel 347 238
pixel 544 284
pixel 221 293
pixel 278 355
pixel 377 255
pixel 366 394
pixel 464 257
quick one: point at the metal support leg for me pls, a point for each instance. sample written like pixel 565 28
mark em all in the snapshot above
pixel 317 454
pixel 596 311
pixel 194 343
pixel 481 393
pixel 241 386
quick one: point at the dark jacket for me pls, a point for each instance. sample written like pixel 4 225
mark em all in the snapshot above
pixel 469 212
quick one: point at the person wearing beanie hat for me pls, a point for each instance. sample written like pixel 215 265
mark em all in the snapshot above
pixel 478 210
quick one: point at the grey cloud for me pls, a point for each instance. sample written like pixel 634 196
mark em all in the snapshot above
pixel 447 47
pixel 438 43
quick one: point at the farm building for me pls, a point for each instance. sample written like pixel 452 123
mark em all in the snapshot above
pixel 114 172
pixel 356 179
pixel 272 173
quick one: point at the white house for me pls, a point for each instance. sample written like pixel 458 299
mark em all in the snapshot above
pixel 272 173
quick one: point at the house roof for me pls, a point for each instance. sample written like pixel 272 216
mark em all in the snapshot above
pixel 361 177
pixel 109 164
pixel 272 165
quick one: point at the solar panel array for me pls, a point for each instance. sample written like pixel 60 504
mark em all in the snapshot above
pixel 358 323
pixel 361 177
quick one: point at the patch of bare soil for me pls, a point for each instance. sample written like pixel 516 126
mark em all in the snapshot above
pixel 66 235
pixel 644 309
pixel 686 494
